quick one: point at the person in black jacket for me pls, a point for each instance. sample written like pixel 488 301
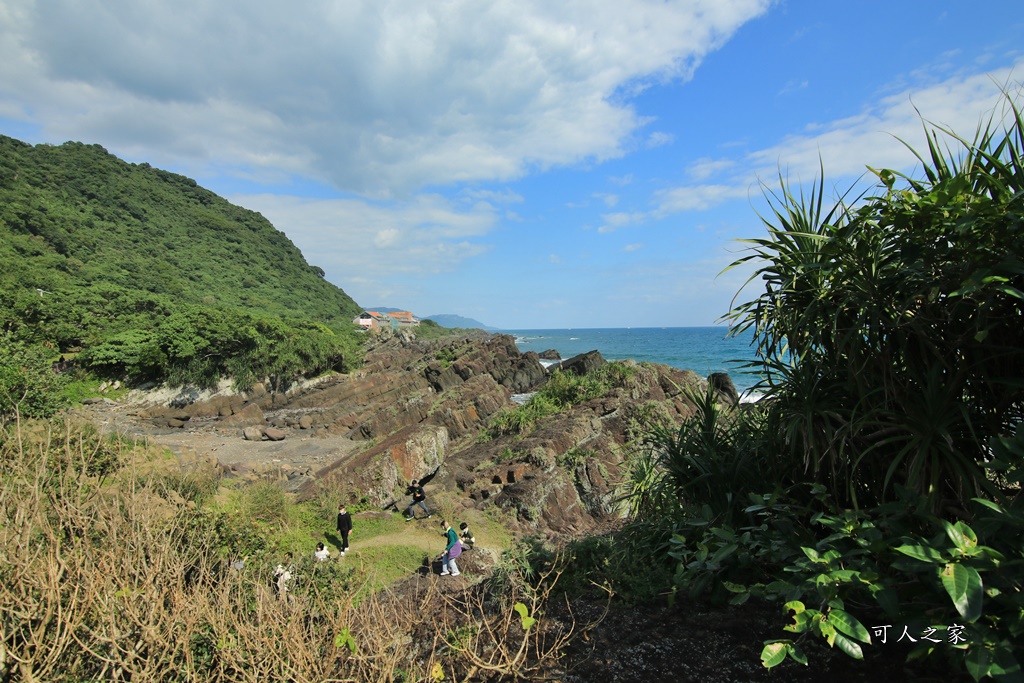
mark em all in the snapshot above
pixel 344 527
pixel 418 498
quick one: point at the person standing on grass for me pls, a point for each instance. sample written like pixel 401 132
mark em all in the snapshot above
pixel 451 551
pixel 418 498
pixel 282 576
pixel 344 527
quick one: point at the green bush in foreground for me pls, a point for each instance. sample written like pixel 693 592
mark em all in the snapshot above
pixel 28 384
pixel 875 492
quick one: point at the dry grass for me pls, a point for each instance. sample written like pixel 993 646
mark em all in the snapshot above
pixel 104 578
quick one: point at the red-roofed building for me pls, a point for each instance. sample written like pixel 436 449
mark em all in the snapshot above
pixel 376 320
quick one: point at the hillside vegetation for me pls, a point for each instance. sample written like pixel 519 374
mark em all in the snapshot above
pixel 155 278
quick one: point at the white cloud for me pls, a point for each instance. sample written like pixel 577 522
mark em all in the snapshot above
pixel 505 196
pixel 636 246
pixel 370 96
pixel 846 147
pixel 610 200
pixel 621 219
pixel 659 139
pixel 365 247
pixel 704 168
pixel 696 197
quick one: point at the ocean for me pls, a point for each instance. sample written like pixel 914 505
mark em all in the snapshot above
pixel 702 349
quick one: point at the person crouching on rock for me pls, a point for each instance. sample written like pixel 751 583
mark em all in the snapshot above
pixel 451 551
pixel 418 498
pixel 466 537
pixel 321 553
pixel 344 527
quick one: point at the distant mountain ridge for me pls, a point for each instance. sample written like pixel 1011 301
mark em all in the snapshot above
pixel 452 320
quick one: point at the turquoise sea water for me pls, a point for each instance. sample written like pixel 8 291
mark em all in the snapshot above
pixel 701 349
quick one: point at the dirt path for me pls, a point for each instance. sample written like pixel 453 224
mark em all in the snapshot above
pixel 206 439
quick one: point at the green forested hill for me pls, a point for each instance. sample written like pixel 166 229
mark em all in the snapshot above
pixel 153 276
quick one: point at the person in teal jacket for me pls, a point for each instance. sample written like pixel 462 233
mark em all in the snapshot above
pixel 451 551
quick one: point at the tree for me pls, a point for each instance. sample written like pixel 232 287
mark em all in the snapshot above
pixel 891 331
pixel 28 385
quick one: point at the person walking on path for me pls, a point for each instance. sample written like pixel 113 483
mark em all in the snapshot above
pixel 344 527
pixel 418 498
pixel 451 551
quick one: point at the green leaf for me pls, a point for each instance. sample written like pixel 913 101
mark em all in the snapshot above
pixel 829 632
pixel 965 588
pixel 925 553
pixel 848 624
pixel 977 661
pixel 989 504
pixel 739 599
pixel 794 606
pixel 848 646
pixel 811 554
pixel 774 653
pixel 344 639
pixel 1005 666
pixel 524 615
pixel 962 536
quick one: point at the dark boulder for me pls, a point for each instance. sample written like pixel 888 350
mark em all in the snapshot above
pixel 583 363
pixel 724 388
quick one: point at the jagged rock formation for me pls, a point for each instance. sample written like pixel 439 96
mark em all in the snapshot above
pixel 421 410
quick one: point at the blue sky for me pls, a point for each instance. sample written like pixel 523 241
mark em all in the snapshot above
pixel 527 164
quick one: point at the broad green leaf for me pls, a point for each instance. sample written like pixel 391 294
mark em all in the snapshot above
pixel 965 588
pixel 800 622
pixel 977 661
pixel 828 631
pixel 521 608
pixel 848 624
pixel 961 535
pixel 1005 666
pixel 774 654
pixel 797 654
pixel 925 553
pixel 794 606
pixel 848 646
pixel 739 599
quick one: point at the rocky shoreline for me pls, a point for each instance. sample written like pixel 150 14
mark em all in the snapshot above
pixel 420 410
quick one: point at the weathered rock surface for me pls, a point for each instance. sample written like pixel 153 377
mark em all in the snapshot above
pixel 417 410
pixel 582 363
pixel 724 388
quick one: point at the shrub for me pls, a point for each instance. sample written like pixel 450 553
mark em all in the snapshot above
pixel 265 501
pixel 28 384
